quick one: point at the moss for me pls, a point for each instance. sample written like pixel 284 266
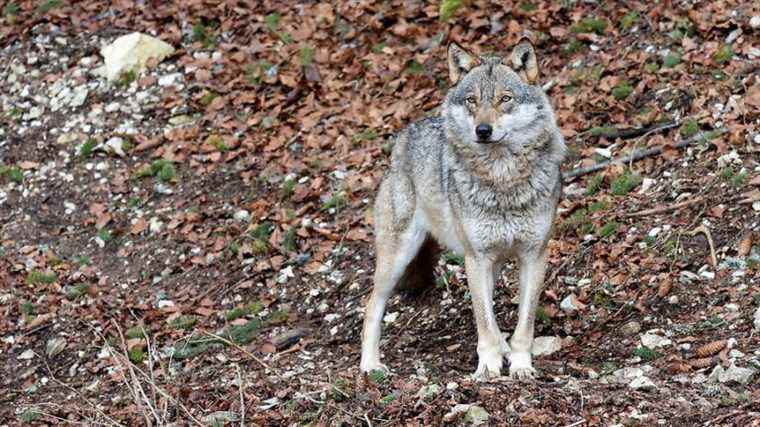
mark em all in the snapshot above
pixel 243 334
pixel 608 229
pixel 590 25
pixel 378 376
pixel 629 20
pixel 135 332
pixel 622 91
pixel 671 60
pixel 689 128
pixel 572 46
pixel 624 183
pixel 646 354
pixel 136 355
pixel 37 277
pixel 306 55
pixel 184 322
pixel 724 54
pixel 448 8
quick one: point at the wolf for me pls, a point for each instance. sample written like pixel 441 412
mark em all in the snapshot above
pixel 482 177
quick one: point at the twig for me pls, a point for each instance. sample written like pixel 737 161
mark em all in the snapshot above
pixel 246 352
pixel 663 209
pixel 704 230
pixel 366 418
pixel 634 156
pixel 242 399
pixel 577 423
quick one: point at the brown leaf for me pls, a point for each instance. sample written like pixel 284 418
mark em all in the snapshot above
pixel 745 245
pixel 664 289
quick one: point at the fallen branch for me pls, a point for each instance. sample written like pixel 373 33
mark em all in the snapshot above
pixel 615 133
pixel 630 158
pixel 663 209
pixel 704 230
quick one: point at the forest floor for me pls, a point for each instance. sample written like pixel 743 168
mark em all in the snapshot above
pixel 193 244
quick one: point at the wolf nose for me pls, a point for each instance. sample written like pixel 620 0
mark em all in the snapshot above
pixel 483 130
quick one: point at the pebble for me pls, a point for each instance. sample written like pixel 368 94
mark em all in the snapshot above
pixel 651 340
pixel 546 345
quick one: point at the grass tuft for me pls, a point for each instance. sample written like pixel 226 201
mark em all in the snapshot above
pixel 590 25
pixel 622 91
pixel 448 8
pixel 624 183
pixel 36 277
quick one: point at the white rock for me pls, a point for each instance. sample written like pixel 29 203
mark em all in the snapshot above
pixel 731 307
pixel 646 184
pixel 80 95
pixel 285 274
pixel 391 317
pixel 242 215
pixel 754 22
pixel 154 225
pixel 165 303
pixel 604 152
pixel 732 374
pixel 473 414
pixel 169 79
pixel 34 113
pixel 55 346
pixel 546 345
pixel 707 274
pixel 115 145
pixel 329 318
pixel 642 383
pixel 26 355
pixel 631 328
pixel 131 53
pixel 650 340
pixel 756 322
pixel 568 304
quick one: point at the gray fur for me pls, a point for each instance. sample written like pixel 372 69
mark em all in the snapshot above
pixel 487 201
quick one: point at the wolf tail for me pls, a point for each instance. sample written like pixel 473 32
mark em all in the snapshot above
pixel 418 275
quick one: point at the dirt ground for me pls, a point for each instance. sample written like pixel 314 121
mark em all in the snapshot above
pixel 192 244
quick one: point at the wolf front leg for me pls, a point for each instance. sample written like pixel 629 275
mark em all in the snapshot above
pixel 532 269
pixel 491 343
pixel 394 253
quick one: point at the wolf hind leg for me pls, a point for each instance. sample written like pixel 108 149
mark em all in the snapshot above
pixel 394 254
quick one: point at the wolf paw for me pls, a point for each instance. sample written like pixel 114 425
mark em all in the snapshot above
pixel 489 366
pixel 520 366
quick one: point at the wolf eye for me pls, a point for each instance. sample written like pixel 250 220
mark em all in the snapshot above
pixel 506 98
pixel 470 100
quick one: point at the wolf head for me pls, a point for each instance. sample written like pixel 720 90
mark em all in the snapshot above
pixel 494 100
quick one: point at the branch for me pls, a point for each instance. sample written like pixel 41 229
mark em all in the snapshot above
pixel 630 158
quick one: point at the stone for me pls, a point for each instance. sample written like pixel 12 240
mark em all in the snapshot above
pixel 641 383
pixel 131 52
pixel 732 374
pixel 631 328
pixel 169 79
pixel 568 305
pixel 26 355
pixel 546 345
pixel 391 317
pixel 115 145
pixel 79 96
pixel 242 215
pixel 473 414
pixel 651 340
pixel 756 321
pixel 55 346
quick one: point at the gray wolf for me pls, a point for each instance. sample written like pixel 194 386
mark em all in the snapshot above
pixel 483 179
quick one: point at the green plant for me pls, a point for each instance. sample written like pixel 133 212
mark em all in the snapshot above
pixel 453 259
pixel 11 9
pixel 629 20
pixel 572 46
pixel 594 184
pixel 136 355
pixel 448 8
pixel 689 128
pixel 646 354
pixel 378 48
pixel 337 201
pixel 306 55
pixel 414 68
pixel 29 415
pixel 217 142
pixel 263 230
pixel 590 25
pixel 161 169
pixel 289 240
pixel 272 21
pixel 387 399
pixel 236 313
pixel 651 67
pixel 36 277
pixel 207 98
pixel 243 334
pixel 622 90
pixel 47 6
pixel 87 147
pixel 288 188
pixel 340 390
pixel 135 332
pixel 724 54
pixel 202 33
pixel 184 322
pixel 624 183
pixel 737 179
pixel 542 317
pixel 26 308
pixel 126 78
pixel 365 135
pixel 77 291
pixel 608 229
pixel 12 173
pixel 104 234
pixel 598 206
pixel 671 60
pixel 378 376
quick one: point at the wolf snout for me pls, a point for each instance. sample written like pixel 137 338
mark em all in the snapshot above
pixel 483 131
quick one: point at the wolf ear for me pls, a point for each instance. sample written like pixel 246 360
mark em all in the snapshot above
pixel 524 61
pixel 460 62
